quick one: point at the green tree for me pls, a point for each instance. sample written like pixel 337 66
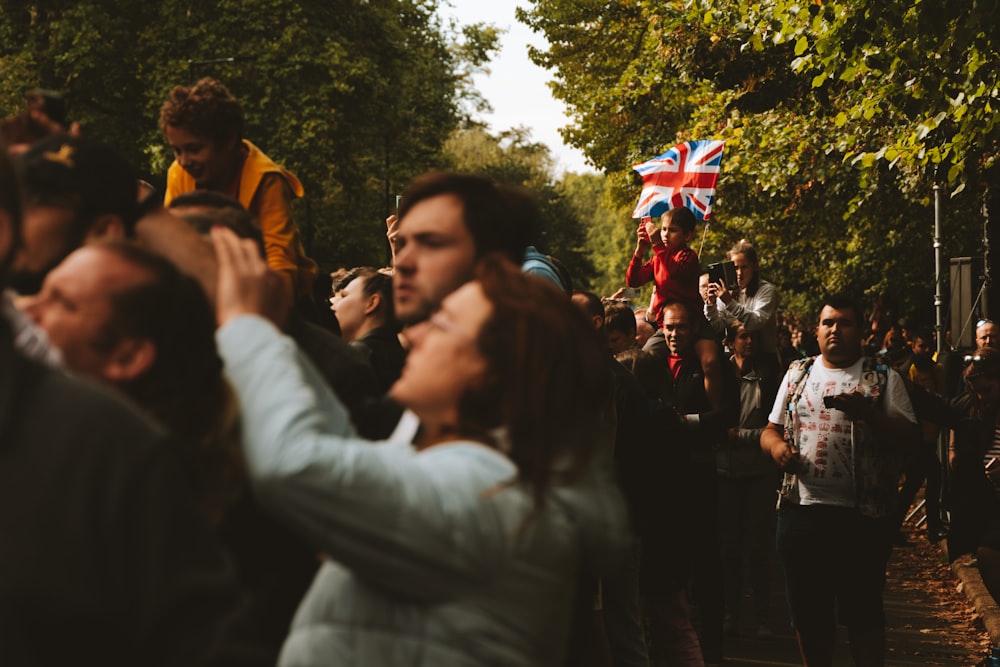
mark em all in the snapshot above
pixel 355 97
pixel 610 235
pixel 818 172
pixel 511 157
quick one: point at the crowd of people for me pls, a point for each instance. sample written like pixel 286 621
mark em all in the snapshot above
pixel 457 459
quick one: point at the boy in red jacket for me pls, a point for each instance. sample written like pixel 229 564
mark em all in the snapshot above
pixel 674 268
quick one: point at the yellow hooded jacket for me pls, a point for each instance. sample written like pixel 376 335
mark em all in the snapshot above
pixel 266 190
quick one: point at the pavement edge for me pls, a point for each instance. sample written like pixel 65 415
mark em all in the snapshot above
pixel 971 583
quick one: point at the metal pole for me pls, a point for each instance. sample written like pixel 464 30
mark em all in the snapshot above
pixel 938 303
pixel 986 253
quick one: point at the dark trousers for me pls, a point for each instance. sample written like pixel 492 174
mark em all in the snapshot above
pixel 746 533
pixel 834 560
pixel 706 561
pixel 920 465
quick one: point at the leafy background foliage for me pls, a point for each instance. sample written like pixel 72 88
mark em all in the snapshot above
pixel 355 97
pixel 840 117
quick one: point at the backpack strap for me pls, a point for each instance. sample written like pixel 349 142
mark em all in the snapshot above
pixel 800 371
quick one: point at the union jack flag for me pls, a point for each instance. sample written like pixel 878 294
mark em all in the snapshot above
pixel 683 176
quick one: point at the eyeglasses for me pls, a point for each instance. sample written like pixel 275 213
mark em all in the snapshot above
pixel 984 321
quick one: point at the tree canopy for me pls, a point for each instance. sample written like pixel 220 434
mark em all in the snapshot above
pixel 840 116
pixel 355 97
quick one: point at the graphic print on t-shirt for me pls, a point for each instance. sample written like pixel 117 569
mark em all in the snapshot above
pixel 825 439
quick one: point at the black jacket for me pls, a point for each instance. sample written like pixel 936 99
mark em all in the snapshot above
pixel 103 557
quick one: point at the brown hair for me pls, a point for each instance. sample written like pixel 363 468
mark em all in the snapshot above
pixel 207 109
pixel 535 333
pixel 184 388
pixel 619 317
pixel 682 217
pixel 498 217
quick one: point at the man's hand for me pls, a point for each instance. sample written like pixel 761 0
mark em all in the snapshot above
pixel 855 405
pixel 772 441
pixel 246 285
pixel 861 408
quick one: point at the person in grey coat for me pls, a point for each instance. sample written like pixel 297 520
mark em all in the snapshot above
pixel 459 542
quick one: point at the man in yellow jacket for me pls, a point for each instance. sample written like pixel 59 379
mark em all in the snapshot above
pixel 204 124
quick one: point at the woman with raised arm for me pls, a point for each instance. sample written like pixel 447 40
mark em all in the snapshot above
pixel 461 539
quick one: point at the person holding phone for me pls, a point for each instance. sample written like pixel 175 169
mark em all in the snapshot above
pixel 753 301
pixel 838 428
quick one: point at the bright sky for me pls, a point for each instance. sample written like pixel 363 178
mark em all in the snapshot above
pixel 515 87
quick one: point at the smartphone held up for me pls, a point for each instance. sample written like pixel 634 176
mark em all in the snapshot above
pixel 724 273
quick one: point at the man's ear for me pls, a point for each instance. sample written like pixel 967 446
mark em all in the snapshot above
pixel 130 359
pixel 106 226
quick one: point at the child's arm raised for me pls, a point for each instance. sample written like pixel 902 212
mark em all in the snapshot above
pixel 639 272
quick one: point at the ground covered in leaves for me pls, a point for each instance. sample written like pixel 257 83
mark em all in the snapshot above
pixel 931 621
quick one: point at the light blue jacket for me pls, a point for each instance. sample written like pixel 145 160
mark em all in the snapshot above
pixel 431 561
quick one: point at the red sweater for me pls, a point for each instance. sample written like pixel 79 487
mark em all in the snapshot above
pixel 676 275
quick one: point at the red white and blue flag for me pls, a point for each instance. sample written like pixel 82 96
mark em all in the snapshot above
pixel 683 176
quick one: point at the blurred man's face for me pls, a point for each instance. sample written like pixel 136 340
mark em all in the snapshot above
pixel 435 255
pixel 74 307
pixel 619 341
pixel 923 347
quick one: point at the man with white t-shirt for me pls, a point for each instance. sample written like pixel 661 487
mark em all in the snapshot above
pixel 837 429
